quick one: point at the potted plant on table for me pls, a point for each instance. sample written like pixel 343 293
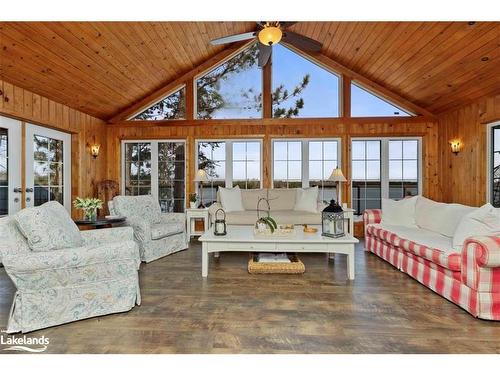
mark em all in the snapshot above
pixel 89 207
pixel 193 197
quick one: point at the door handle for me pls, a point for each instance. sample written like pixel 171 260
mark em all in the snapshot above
pixel 29 190
pixel 18 190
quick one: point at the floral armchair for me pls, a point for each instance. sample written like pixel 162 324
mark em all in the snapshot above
pixel 58 286
pixel 158 234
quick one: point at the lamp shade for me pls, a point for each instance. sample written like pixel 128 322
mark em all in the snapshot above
pixel 337 176
pixel 201 176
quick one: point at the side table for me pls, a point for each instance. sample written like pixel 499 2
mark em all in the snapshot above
pixel 191 215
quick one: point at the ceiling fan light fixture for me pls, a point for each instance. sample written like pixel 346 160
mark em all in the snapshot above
pixel 270 35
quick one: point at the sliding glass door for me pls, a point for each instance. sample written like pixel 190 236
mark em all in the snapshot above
pixel 157 168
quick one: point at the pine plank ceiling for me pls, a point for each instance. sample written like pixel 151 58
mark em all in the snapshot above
pixel 102 68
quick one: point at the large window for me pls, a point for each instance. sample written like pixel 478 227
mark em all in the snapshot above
pixel 305 163
pixel 233 90
pixel 229 163
pixel 301 88
pixel 366 174
pixel 172 107
pixel 366 104
pixel 156 168
pixel 287 164
pixel 323 159
pixel 495 166
pixel 384 168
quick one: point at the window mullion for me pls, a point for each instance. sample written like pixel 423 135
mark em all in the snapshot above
pixel 229 164
pixel 384 162
pixel 154 170
pixel 305 164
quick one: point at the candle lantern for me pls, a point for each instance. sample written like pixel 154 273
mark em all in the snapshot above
pixel 220 223
pixel 332 220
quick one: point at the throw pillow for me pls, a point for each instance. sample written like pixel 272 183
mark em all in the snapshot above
pixel 231 199
pixel 400 212
pixel 306 200
pixel 48 227
pixel 484 221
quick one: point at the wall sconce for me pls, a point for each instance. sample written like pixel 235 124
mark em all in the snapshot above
pixel 456 146
pixel 94 150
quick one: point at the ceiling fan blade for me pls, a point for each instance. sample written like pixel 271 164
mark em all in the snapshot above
pixel 285 24
pixel 234 38
pixel 264 54
pixel 302 41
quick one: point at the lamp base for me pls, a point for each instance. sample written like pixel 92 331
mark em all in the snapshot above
pixel 201 206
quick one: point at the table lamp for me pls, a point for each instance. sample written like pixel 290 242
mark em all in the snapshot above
pixel 338 177
pixel 201 177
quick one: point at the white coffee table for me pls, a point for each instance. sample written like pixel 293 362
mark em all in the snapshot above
pixel 242 238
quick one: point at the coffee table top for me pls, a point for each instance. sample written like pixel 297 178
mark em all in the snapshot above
pixel 100 221
pixel 244 233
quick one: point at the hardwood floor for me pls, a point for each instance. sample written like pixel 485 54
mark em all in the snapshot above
pixel 382 311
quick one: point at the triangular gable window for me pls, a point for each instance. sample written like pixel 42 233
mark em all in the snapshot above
pixel 172 107
pixel 232 90
pixel 367 104
pixel 302 88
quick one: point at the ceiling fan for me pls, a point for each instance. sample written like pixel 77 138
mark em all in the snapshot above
pixel 269 34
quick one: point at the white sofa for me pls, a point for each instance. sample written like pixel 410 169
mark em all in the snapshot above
pixel 57 285
pixel 452 249
pixel 282 202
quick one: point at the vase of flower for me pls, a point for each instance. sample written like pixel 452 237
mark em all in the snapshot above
pixel 89 206
pixel 192 200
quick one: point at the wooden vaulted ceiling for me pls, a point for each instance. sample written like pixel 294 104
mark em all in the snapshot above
pixel 101 68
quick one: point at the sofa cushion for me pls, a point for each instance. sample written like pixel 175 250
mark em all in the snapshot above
pixel 48 227
pixel 307 200
pixel 400 212
pixel 439 217
pixel 142 207
pixel 231 199
pixel 250 197
pixel 424 243
pixel 163 230
pixel 484 221
pixel 282 199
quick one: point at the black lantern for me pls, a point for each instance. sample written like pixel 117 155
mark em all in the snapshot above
pixel 220 224
pixel 332 220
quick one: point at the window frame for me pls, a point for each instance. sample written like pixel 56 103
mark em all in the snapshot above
pixel 229 157
pixel 213 67
pixel 144 108
pixel 305 155
pixel 489 159
pixel 318 63
pixel 154 165
pixel 379 96
pixel 384 162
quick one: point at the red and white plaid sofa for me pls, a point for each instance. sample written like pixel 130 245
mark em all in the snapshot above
pixel 469 278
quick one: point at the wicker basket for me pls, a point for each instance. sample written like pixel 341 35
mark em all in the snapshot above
pixel 294 267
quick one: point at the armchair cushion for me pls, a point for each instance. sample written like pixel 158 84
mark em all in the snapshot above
pixel 11 240
pixel 140 207
pixel 163 230
pixel 48 227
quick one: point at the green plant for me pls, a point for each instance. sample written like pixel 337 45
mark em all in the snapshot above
pixel 88 203
pixel 266 220
pixel 193 197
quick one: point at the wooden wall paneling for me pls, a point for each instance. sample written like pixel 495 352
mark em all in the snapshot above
pixel 463 176
pixel 26 106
